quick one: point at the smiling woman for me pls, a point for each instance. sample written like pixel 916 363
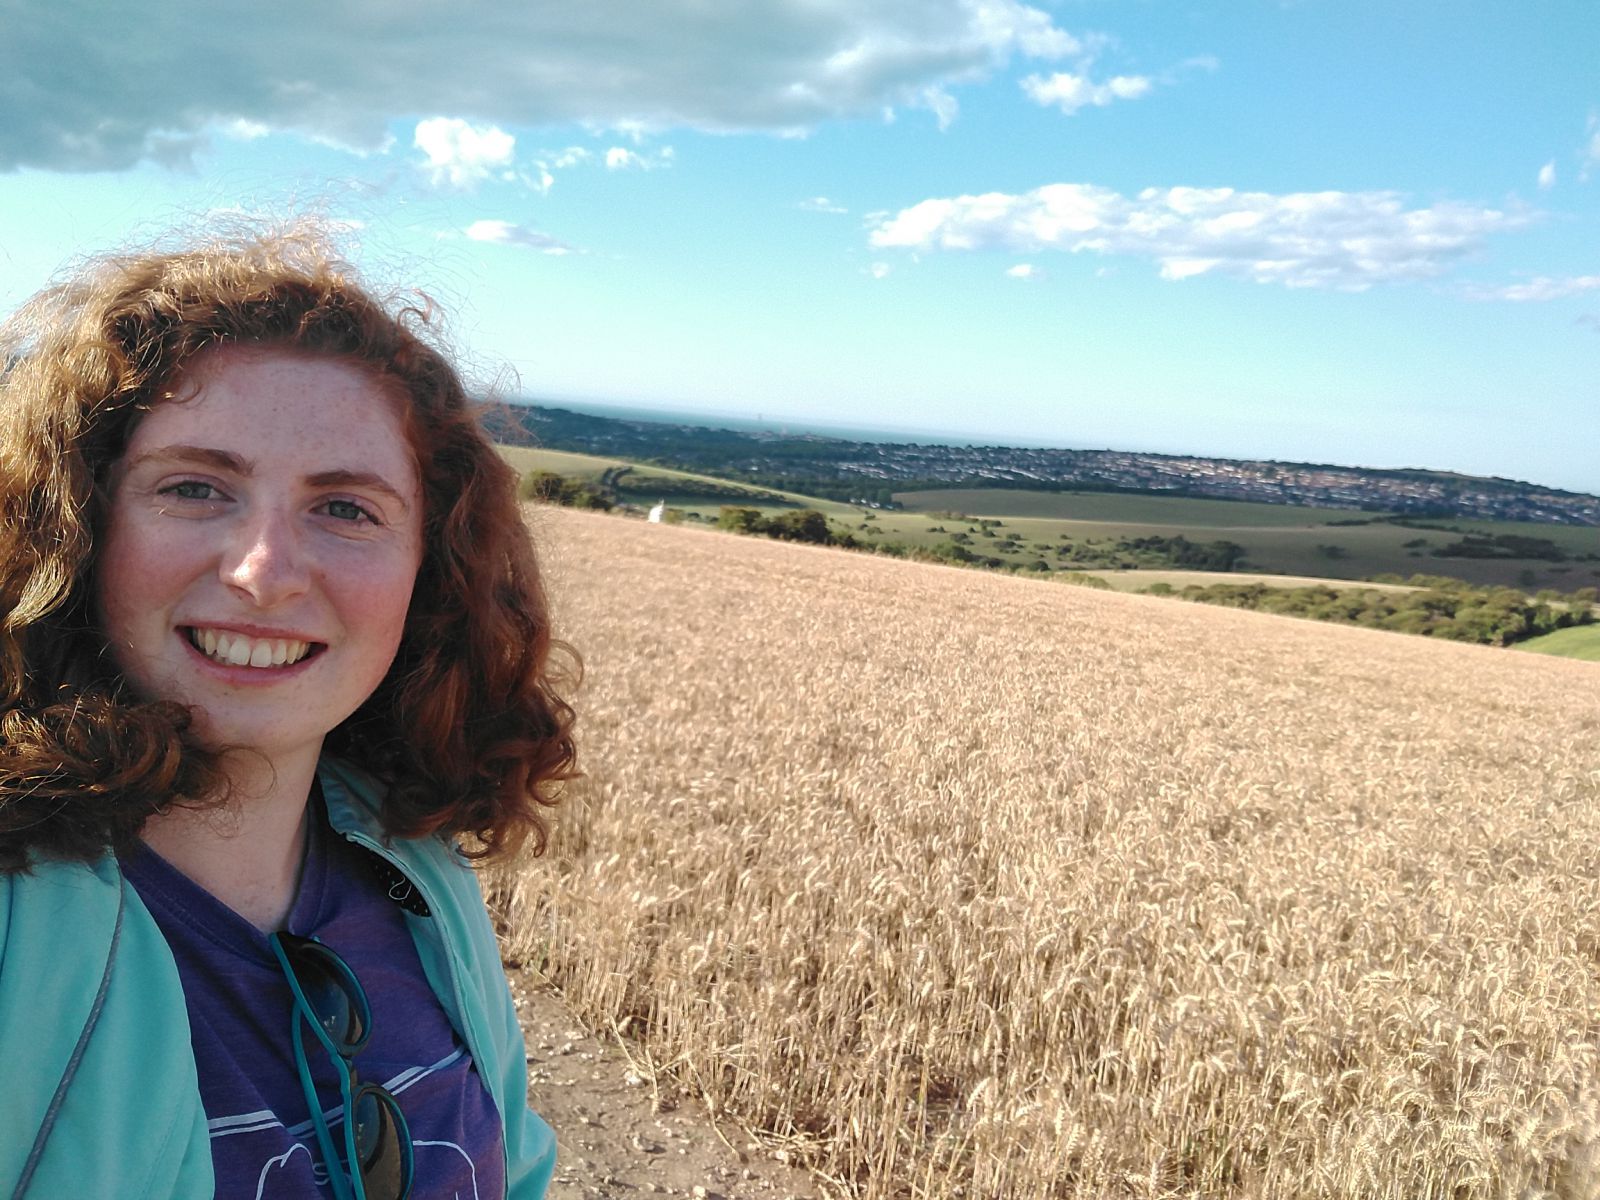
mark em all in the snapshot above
pixel 276 501
pixel 274 661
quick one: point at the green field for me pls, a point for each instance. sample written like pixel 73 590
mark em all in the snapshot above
pixel 1279 540
pixel 575 466
pixel 1118 508
pixel 645 485
pixel 1137 581
pixel 1582 642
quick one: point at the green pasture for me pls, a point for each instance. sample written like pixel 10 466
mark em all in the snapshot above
pixel 645 485
pixel 1117 508
pixel 1582 641
pixel 1279 540
pixel 1137 581
pixel 575 466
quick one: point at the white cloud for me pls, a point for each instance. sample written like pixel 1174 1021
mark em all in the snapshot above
pixel 879 270
pixel 505 233
pixel 1542 287
pixel 570 157
pixel 186 67
pixel 1343 240
pixel 942 105
pixel 463 154
pixel 620 158
pixel 821 204
pixel 1070 92
pixel 241 130
pixel 1547 176
pixel 541 180
pixel 1025 271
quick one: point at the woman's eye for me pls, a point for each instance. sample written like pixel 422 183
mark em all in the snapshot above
pixel 349 510
pixel 191 489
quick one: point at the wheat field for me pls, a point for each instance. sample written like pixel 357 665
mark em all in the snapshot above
pixel 967 885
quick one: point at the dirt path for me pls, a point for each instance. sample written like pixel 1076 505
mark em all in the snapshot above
pixel 611 1141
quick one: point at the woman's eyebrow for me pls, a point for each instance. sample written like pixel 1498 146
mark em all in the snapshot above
pixel 205 456
pixel 358 479
pixel 225 460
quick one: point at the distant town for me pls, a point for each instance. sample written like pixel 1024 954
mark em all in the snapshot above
pixel 872 472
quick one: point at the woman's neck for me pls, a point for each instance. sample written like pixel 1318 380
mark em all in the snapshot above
pixel 247 852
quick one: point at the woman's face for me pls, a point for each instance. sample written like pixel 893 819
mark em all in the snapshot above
pixel 262 543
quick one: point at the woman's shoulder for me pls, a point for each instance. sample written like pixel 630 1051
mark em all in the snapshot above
pixel 53 894
pixel 90 1005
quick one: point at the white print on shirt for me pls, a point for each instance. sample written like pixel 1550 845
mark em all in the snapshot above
pixel 265 1118
pixel 281 1160
pixel 321 1178
pixel 279 1172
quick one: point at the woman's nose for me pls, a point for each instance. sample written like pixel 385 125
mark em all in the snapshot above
pixel 266 561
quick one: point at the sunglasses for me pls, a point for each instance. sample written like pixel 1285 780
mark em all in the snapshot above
pixel 330 1000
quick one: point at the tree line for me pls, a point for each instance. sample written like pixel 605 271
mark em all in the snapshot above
pixel 1439 607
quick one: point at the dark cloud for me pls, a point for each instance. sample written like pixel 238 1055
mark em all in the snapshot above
pixel 90 86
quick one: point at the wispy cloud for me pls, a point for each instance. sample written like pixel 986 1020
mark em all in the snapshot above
pixel 461 154
pixel 1342 240
pixel 620 158
pixel 879 270
pixel 1025 271
pixel 821 204
pixel 1542 287
pixel 505 233
pixel 1547 176
pixel 1070 92
pixel 780 66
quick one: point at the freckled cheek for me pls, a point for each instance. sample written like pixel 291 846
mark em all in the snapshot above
pixel 375 603
pixel 134 581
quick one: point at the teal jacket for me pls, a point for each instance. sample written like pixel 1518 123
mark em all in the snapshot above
pixel 100 1096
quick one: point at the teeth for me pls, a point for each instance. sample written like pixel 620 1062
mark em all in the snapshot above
pixel 239 651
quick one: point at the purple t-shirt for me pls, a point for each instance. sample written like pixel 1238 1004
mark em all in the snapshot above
pixel 240 1008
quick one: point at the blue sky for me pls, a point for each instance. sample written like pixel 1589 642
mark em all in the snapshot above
pixel 1329 230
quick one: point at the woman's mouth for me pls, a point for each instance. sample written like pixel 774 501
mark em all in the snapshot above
pixel 237 650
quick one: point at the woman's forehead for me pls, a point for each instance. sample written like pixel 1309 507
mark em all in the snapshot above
pixel 267 403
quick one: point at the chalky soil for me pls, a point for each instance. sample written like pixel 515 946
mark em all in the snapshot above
pixel 611 1140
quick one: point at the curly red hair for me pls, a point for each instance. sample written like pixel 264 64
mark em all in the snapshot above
pixel 468 728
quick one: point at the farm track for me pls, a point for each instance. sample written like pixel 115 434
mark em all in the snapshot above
pixel 969 885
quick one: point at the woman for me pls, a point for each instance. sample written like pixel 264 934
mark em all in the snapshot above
pixel 274 660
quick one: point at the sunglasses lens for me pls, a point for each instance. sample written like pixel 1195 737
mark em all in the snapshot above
pixel 381 1154
pixel 332 993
